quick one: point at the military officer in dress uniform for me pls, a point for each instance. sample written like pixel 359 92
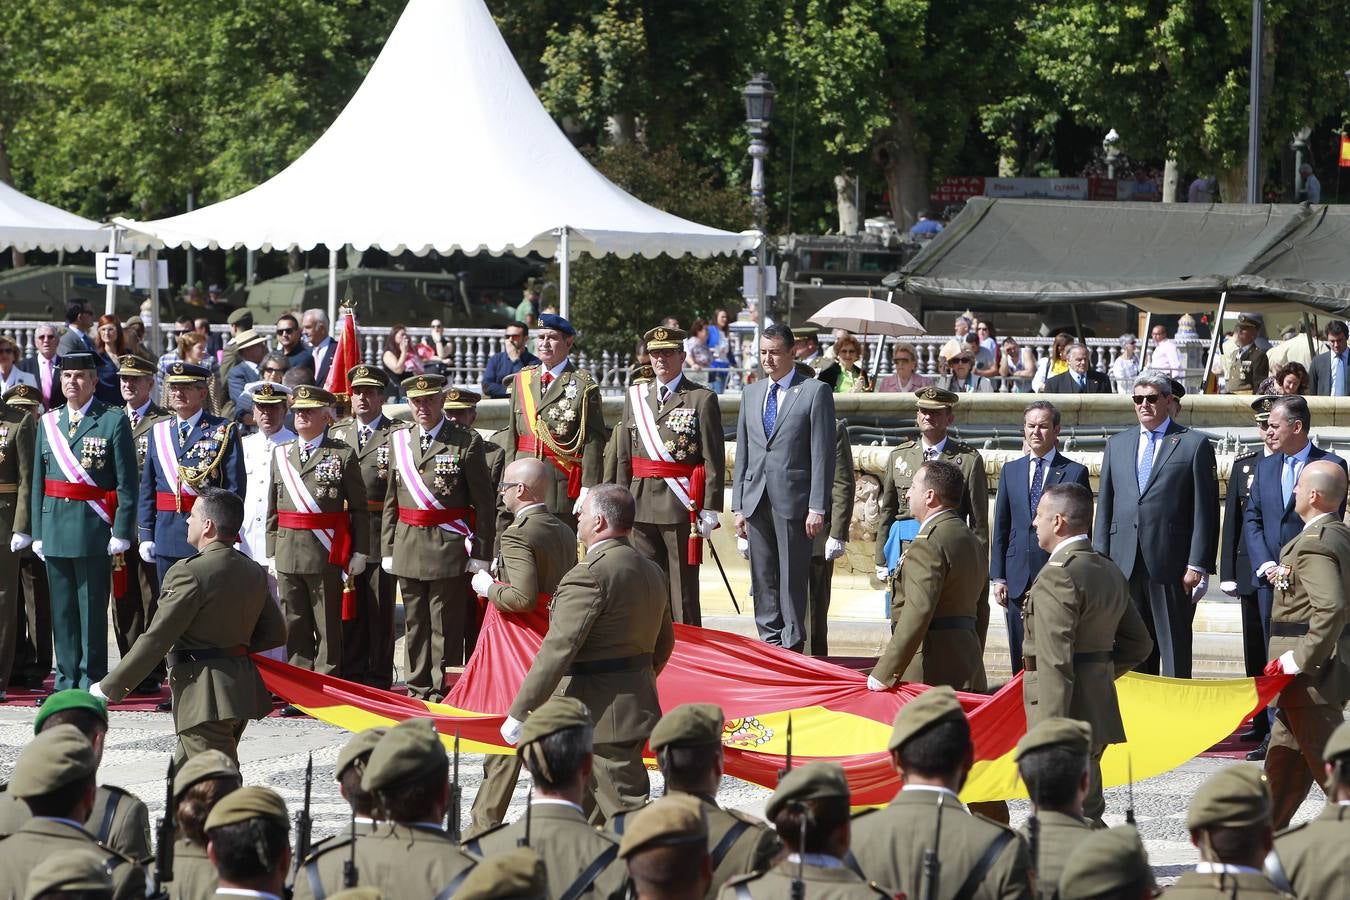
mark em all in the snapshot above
pixel 934 417
pixel 809 809
pixel 1311 859
pixel 18 432
pixel 931 749
pixel 609 636
pixel 1081 630
pixel 271 407
pixel 368 637
pixel 1229 820
pixel 828 545
pixel 433 535
pixel 33 639
pixel 83 512
pixel 214 612
pixel 1109 863
pixel 198 785
pixel 556 416
pixel 134 607
pixel 555 746
pixel 1052 759
pixel 56 777
pixel 941 580
pixel 318 531
pixel 1244 365
pixel 537 550
pixel 671 455
pixel 666 849
pixel 1309 638
pixel 248 838
pixel 185 452
pixel 405 855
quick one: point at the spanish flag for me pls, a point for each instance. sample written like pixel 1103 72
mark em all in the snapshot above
pixel 834 716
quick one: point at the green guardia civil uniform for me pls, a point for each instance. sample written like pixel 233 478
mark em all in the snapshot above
pixel 18 431
pixel 579 859
pixel 74 537
pixel 399 859
pixel 1081 634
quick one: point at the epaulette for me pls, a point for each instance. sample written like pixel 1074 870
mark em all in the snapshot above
pixel 906 444
pixel 471 844
pixel 1000 825
pixel 616 822
pixel 958 446
pixel 1293 828
pixel 743 879
pixel 583 375
pixel 746 817
pixel 332 842
pixel 1242 457
pixel 116 854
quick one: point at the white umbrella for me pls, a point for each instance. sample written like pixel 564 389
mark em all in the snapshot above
pixel 868 315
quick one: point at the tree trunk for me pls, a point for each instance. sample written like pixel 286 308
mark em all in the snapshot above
pixel 1233 182
pixel 905 164
pixel 1170 178
pixel 622 128
pixel 845 187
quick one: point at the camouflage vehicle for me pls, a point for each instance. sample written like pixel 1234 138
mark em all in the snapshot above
pixel 387 297
pixel 40 293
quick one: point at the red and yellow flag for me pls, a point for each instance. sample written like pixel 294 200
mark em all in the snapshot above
pixel 834 716
pixel 346 354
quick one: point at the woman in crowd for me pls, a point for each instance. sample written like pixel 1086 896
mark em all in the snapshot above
pixel 697 355
pixel 963 379
pixel 906 379
pixel 1054 362
pixel 400 355
pixel 988 344
pixel 1126 367
pixel 133 338
pixel 1016 366
pixel 723 346
pixel 850 377
pixel 109 344
pixel 1290 378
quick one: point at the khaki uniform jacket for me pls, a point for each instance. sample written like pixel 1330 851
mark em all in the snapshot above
pixel 689 424
pixel 888 845
pixel 140 433
pixel 943 574
pixel 1316 855
pixel 537 550
pixel 1060 834
pixel 1197 886
pixel 568 845
pixel 1316 597
pixel 1244 368
pixel 431 553
pixel 376 463
pixel 612 605
pixel 570 411
pixel 821 884
pixel 333 476
pixel 216 599
pixel 840 515
pixel 40 838
pixel 905 460
pixel 194 877
pixel 128 831
pixel 400 860
pixel 18 435
pixel 1080 604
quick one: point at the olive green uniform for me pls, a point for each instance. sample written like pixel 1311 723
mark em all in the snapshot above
pixel 40 838
pixel 1059 834
pixel 1081 634
pixel 822 883
pixel 135 609
pixel 573 850
pixel 888 846
pixel 609 636
pixel 309 585
pixel 194 877
pixel 214 610
pixel 1244 368
pixel 836 526
pixel 1207 886
pixel 570 413
pixel 933 608
pixel 118 821
pixel 1309 618
pixel 1315 856
pixel 18 433
pixel 400 860
pixel 537 550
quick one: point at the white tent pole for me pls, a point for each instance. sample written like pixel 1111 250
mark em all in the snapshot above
pixel 564 271
pixel 153 276
pixel 332 288
pixel 1215 341
pixel 110 303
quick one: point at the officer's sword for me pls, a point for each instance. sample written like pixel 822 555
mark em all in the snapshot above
pixel 725 579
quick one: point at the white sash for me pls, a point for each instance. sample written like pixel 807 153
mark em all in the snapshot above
pixel 67 463
pixel 166 439
pixel 421 494
pixel 300 496
pixel 652 443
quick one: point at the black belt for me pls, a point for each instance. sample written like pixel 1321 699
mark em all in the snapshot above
pixel 609 666
pixel 177 657
pixel 1296 629
pixel 953 623
pixel 1089 656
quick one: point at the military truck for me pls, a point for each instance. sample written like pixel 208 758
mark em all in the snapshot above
pixel 40 293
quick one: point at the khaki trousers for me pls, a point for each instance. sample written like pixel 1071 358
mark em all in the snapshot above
pixel 312 605
pixel 668 547
pixel 1294 758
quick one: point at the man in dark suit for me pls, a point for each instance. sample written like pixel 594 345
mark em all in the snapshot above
pixel 45 367
pixel 321 346
pixel 1015 557
pixel 1158 518
pixel 79 322
pixel 1329 374
pixel 785 439
pixel 1080 379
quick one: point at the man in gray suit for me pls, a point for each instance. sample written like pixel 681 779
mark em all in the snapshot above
pixel 1158 519
pixel 785 449
pixel 1329 374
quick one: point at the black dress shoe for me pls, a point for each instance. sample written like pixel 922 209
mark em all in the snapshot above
pixel 1254 735
pixel 1259 753
pixel 147 688
pixel 164 706
pixel 290 712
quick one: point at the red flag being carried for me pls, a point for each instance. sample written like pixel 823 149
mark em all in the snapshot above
pixel 347 354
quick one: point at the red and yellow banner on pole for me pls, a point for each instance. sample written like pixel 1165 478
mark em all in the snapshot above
pixel 1345 151
pixel 834 716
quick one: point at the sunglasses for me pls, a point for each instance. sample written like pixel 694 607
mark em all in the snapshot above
pixel 908 359
pixel 961 360
pixel 1150 399
pixel 286 331
pixel 275 371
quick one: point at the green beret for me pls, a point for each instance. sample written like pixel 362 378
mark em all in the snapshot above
pixel 516 874
pixel 554 715
pixel 1338 744
pixel 1232 797
pixel 1109 860
pixel 207 764
pixel 1070 734
pixel 673 819
pixel 813 781
pixel 410 750
pixel 361 744
pixel 358 893
pixel 52 759
pixel 248 803
pixel 689 725
pixel 71 698
pixel 937 704
pixel 70 871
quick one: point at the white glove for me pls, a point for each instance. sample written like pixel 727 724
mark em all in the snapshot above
pixel 1287 663
pixel 19 542
pixel 481 582
pixel 96 690
pixel 37 551
pixel 118 545
pixel 743 547
pixel 874 685
pixel 581 498
pixel 387 563
pixel 478 565
pixel 1200 589
pixel 1229 588
pixel 356 565
pixel 883 573
pixel 833 549
pixel 270 564
pixel 708 521
pixel 511 729
pixel 147 551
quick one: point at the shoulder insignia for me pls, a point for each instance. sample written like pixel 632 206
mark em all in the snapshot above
pixel 999 825
pixel 1243 457
pixel 906 444
pixel 583 376
pixel 959 446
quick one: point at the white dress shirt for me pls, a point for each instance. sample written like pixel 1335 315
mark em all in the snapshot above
pixel 1045 468
pixel 257 449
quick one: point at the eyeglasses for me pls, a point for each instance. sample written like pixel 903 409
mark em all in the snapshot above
pixel 507 485
pixel 908 359
pixel 46 337
pixel 274 371
pixel 1150 399
pixel 286 331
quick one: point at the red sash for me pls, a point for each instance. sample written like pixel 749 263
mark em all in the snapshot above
pixel 697 475
pixel 341 552
pixel 527 443
pixel 73 490
pixel 433 518
pixel 166 502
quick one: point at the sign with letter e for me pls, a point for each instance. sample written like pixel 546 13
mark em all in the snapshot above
pixel 113 268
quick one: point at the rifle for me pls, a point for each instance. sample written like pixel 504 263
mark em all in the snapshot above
pixel 787 767
pixel 452 812
pixel 349 873
pixel 798 884
pixel 529 806
pixel 1129 808
pixel 164 838
pixel 1034 830
pixel 932 864
pixel 302 819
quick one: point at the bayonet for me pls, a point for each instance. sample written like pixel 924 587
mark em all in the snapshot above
pixel 799 883
pixel 452 813
pixel 1129 774
pixel 787 760
pixel 302 819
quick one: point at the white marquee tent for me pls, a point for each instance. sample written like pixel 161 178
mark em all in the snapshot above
pixel 445 146
pixel 28 224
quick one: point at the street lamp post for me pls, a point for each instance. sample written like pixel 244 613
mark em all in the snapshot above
pixel 1110 146
pixel 758 94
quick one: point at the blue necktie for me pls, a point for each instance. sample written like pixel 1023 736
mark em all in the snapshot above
pixel 1338 375
pixel 184 429
pixel 771 409
pixel 1037 483
pixel 1146 464
pixel 1289 478
pixel 1082 382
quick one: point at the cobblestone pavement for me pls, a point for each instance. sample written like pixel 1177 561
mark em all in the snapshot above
pixel 274 752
